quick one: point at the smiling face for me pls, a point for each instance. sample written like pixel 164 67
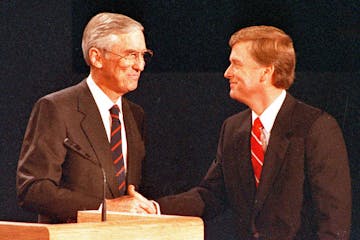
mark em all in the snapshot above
pixel 245 75
pixel 114 74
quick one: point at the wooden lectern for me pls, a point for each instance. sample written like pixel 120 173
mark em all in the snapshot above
pixel 120 226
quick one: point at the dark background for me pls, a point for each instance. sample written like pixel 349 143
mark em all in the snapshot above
pixel 182 91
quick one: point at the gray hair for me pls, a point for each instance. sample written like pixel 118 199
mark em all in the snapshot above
pixel 102 26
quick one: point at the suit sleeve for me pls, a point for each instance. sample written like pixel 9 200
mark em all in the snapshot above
pixel 328 172
pixel 39 174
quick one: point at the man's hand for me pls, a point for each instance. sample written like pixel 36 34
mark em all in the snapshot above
pixel 134 202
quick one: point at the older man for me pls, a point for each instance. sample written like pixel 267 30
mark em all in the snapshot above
pixel 87 141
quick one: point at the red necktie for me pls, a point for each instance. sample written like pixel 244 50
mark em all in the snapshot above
pixel 257 152
pixel 116 148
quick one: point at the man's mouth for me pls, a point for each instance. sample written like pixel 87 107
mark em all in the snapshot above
pixel 133 76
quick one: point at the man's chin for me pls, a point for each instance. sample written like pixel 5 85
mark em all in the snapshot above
pixel 235 96
pixel 132 87
pixel 232 94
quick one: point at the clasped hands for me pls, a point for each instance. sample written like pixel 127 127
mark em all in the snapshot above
pixel 134 202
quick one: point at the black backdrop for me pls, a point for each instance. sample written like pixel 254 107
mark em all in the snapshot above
pixel 182 90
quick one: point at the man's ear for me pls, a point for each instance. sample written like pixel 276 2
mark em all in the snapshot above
pixel 96 57
pixel 268 73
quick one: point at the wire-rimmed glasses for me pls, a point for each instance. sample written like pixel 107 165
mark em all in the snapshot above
pixel 132 56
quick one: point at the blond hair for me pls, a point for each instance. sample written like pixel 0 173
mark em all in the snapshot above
pixel 270 46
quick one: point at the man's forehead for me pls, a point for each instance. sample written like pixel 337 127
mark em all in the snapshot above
pixel 129 35
pixel 132 40
pixel 241 48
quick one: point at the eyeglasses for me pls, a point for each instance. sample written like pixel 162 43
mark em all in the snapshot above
pixel 132 56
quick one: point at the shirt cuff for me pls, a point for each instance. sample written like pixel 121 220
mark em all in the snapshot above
pixel 157 207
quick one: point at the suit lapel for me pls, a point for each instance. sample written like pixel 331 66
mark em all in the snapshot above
pixel 245 173
pixel 135 145
pixel 94 130
pixel 275 153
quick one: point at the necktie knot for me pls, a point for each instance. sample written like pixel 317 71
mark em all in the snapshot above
pixel 114 112
pixel 257 124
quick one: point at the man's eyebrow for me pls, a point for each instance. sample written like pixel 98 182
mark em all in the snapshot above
pixel 236 61
pixel 134 50
pixel 129 50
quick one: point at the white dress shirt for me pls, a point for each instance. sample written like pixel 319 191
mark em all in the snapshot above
pixel 104 104
pixel 267 118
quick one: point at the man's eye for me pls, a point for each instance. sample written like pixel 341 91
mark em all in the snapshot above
pixel 133 55
pixel 237 65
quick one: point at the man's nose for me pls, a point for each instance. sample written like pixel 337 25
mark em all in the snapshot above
pixel 139 64
pixel 228 73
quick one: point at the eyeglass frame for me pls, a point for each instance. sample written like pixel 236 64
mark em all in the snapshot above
pixel 128 56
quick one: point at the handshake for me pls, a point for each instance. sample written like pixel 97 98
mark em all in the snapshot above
pixel 133 202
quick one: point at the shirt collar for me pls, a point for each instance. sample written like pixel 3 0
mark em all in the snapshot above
pixel 267 118
pixel 103 102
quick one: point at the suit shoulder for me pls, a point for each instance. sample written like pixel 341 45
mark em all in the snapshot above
pixel 307 109
pixel 64 94
pixel 304 116
pixel 135 108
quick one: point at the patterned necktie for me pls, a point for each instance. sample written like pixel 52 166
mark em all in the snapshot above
pixel 116 148
pixel 257 150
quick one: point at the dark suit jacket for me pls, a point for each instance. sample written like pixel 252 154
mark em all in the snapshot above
pixel 304 191
pixel 64 150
